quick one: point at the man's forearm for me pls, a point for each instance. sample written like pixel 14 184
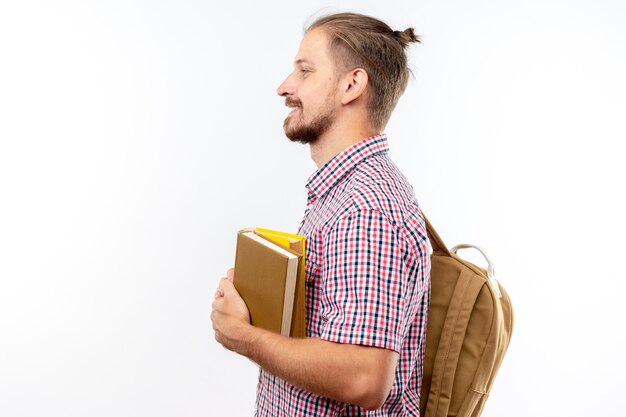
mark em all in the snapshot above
pixel 360 375
pixel 354 374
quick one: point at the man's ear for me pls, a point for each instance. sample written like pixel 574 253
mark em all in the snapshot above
pixel 355 84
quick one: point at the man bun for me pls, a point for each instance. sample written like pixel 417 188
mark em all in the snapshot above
pixel 407 36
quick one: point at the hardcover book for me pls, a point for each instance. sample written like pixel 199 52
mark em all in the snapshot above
pixel 297 244
pixel 267 272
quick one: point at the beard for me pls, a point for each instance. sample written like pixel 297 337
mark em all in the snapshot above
pixel 309 132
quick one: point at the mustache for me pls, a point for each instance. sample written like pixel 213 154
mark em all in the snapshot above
pixel 292 102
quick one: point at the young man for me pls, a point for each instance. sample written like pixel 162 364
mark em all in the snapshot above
pixel 368 263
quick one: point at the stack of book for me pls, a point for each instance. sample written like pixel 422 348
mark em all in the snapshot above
pixel 270 277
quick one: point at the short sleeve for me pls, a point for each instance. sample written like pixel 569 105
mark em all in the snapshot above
pixel 364 282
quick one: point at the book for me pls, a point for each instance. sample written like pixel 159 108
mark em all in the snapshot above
pixel 297 244
pixel 265 277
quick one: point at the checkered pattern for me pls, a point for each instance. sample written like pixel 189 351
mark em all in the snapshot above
pixel 368 277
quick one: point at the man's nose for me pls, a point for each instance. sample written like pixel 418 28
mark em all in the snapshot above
pixel 286 88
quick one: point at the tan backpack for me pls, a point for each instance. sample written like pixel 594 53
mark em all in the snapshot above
pixel 469 327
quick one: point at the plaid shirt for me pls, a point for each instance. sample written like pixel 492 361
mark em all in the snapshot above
pixel 368 277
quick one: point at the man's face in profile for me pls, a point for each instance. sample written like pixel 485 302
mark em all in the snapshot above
pixel 311 90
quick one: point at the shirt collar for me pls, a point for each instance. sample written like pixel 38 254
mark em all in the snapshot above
pixel 341 164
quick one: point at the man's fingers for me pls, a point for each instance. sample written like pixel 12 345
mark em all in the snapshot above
pixel 230 276
pixel 226 285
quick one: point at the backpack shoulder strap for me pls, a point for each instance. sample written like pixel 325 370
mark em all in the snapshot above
pixel 451 342
pixel 439 248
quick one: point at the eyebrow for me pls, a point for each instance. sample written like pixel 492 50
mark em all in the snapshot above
pixel 302 61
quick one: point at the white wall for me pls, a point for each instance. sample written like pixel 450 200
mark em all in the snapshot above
pixel 136 137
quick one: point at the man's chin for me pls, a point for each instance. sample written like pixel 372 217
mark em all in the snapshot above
pixel 303 136
pixel 300 137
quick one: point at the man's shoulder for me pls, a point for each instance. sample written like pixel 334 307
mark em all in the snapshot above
pixel 375 187
pixel 378 184
pixel 377 193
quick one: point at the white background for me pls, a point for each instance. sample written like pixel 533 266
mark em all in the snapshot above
pixel 136 137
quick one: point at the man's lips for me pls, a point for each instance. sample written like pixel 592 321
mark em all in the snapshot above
pixel 293 104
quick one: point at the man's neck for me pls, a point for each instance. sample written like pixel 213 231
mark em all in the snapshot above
pixel 335 140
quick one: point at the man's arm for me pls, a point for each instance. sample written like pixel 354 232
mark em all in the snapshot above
pixel 354 374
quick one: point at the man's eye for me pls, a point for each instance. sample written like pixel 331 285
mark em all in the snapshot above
pixel 304 72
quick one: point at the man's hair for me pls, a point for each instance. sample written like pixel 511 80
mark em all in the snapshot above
pixel 359 41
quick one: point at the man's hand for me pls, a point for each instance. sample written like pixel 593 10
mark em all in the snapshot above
pixel 230 315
